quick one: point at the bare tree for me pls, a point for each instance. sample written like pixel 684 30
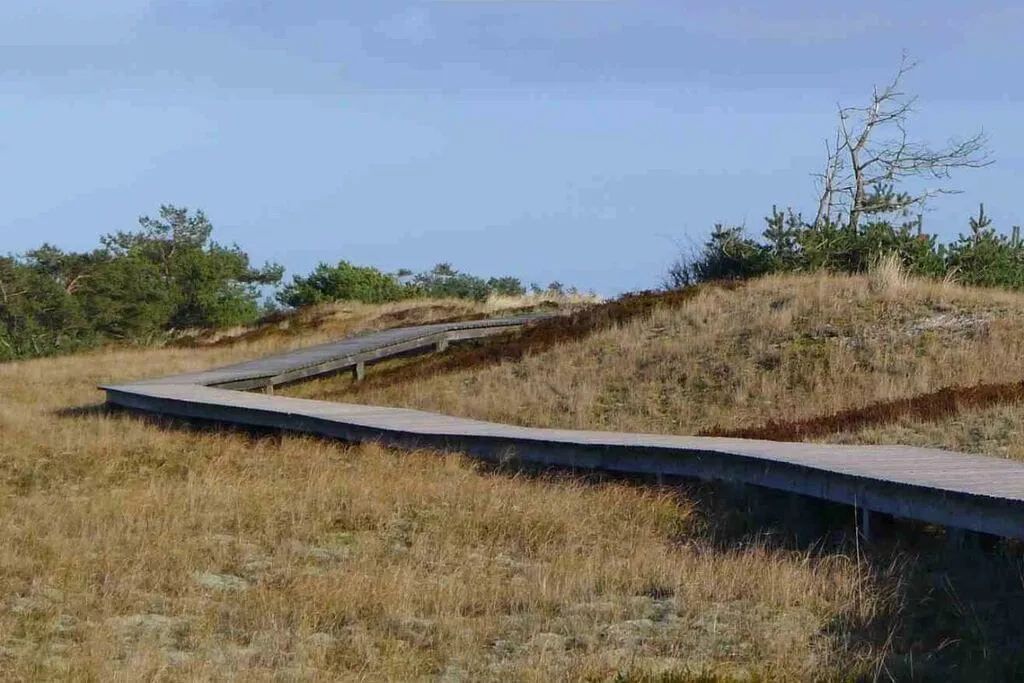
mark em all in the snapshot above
pixel 872 154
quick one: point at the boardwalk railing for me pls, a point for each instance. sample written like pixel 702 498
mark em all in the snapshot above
pixel 957 490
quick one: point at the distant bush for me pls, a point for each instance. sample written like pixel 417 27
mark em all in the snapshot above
pixel 443 281
pixel 789 244
pixel 728 254
pixel 347 282
pixel 985 257
pixel 135 287
pixel 342 282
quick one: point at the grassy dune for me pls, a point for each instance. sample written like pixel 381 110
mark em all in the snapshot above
pixel 781 348
pixel 137 549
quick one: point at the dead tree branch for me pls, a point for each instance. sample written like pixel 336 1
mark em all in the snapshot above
pixel 873 150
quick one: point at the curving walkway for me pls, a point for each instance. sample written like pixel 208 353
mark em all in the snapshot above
pixel 963 491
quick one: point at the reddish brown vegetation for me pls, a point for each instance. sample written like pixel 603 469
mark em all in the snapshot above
pixel 930 407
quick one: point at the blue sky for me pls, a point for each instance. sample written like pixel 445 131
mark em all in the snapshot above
pixel 577 140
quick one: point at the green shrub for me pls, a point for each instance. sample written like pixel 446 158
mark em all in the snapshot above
pixel 727 255
pixel 985 257
pixel 342 282
pixel 789 244
pixel 136 287
pixel 347 282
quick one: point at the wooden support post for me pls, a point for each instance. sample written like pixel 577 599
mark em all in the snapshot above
pixel 872 523
pixel 268 389
pixel 442 345
pixel 359 371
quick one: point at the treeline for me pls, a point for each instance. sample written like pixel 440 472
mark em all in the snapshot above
pixel 348 282
pixel 169 275
pixel 981 256
pixel 133 288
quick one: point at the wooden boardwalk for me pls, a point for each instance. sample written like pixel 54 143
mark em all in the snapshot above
pixel 963 491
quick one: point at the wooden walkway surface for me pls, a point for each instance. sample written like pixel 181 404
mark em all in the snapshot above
pixel 963 491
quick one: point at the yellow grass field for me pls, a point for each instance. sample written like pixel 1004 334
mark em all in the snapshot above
pixel 137 549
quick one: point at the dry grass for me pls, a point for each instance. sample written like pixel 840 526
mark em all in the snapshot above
pixel 137 551
pixel 888 277
pixel 142 550
pixel 793 347
pixel 504 303
pixel 996 431
pixel 335 320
